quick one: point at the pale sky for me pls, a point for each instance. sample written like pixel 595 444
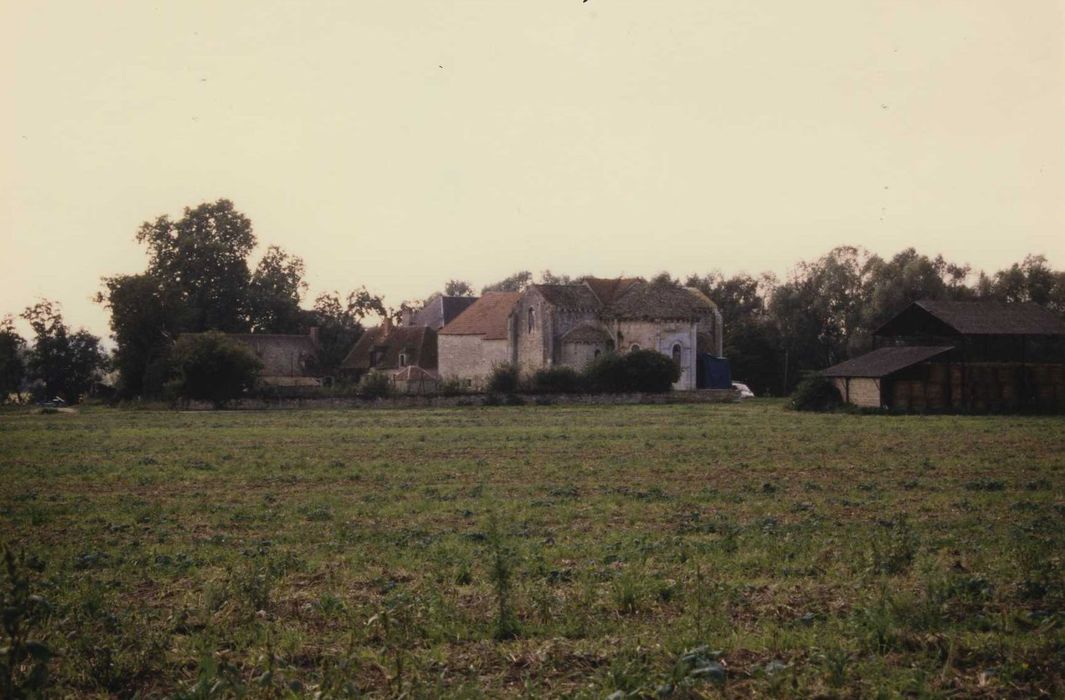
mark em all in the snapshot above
pixel 400 144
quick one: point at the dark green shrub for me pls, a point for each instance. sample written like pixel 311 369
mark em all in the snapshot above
pixel 213 367
pixel 452 386
pixel 816 393
pixel 637 371
pixel 505 379
pixel 23 656
pixel 556 380
pixel 375 385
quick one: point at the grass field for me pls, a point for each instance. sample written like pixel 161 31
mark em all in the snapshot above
pixel 660 551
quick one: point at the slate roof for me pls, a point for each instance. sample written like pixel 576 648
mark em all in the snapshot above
pixel 486 317
pixel 995 318
pixel 885 361
pixel 418 342
pixel 440 311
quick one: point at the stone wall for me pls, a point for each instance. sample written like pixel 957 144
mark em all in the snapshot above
pixel 662 336
pixel 474 400
pixel 470 358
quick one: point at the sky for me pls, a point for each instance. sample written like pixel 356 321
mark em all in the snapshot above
pixel 401 144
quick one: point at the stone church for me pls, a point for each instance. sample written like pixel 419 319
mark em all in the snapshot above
pixel 550 325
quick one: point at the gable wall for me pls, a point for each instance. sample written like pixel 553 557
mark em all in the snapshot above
pixel 470 357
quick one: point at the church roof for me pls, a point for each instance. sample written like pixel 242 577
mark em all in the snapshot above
pixel 485 317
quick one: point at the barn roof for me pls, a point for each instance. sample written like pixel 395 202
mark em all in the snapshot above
pixel 486 317
pixel 885 361
pixel 418 342
pixel 991 317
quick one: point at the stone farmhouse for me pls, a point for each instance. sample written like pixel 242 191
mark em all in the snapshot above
pixel 407 354
pixel 288 360
pixel 569 325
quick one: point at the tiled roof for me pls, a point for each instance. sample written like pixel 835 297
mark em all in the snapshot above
pixel 587 333
pixel 569 296
pixel 417 342
pixel 648 300
pixel 486 317
pixel 995 318
pixel 606 290
pixel 884 361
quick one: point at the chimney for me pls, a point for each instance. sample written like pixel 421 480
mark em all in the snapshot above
pixel 313 332
pixel 386 324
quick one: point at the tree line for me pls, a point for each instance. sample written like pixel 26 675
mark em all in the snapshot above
pixel 199 277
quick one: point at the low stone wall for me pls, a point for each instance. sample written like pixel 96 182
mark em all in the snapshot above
pixel 468 400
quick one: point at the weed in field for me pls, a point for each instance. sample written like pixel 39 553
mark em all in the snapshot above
pixel 24 656
pixel 501 572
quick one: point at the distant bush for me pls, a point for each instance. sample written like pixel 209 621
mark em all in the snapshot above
pixel 213 367
pixel 556 380
pixel 505 379
pixel 816 393
pixel 375 385
pixel 644 371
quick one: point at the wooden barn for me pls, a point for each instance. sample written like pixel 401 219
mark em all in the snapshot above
pixel 960 356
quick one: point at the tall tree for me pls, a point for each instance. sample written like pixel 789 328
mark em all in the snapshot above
pixel 146 317
pixel 340 323
pixel 515 283
pixel 66 362
pixel 202 257
pixel 458 288
pixel 274 293
pixel 12 368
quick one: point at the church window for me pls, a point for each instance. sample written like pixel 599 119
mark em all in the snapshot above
pixel 676 354
pixel 532 319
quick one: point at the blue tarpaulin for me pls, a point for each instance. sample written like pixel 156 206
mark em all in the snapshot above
pixel 712 372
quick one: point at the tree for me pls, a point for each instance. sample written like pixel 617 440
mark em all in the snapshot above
pixel 145 318
pixel 458 288
pixel 636 371
pixel 274 293
pixel 12 368
pixel 515 283
pixel 66 362
pixel 213 367
pixel 1031 280
pixel 202 258
pixel 340 324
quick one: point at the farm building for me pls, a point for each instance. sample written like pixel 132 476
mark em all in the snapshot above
pixel 473 344
pixel 960 355
pixel 288 360
pixel 438 311
pixel 393 350
pixel 569 325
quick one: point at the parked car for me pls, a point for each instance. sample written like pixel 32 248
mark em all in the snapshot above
pixel 743 389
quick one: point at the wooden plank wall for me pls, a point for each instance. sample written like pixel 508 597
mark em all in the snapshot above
pixel 981 387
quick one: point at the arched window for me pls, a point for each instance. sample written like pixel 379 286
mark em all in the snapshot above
pixel 676 354
pixel 402 359
pixel 532 319
pixel 634 347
